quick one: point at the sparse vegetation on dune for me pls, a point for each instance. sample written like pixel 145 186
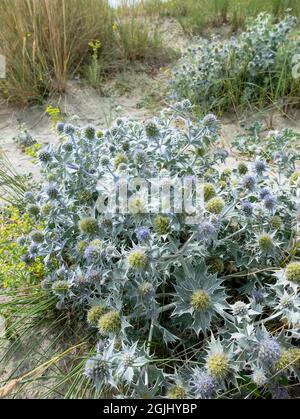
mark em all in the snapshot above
pixel 147 260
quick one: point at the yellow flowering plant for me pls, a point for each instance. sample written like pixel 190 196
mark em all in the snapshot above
pixel 14 272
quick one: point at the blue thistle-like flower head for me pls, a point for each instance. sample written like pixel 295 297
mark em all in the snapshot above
pixel 249 182
pixel 247 208
pixel 92 254
pixel 269 351
pixel 33 249
pixel 270 202
pixel 258 296
pixel 204 384
pixel 264 192
pixel 60 127
pixel 207 232
pixel 96 369
pixel 45 157
pixel 69 129
pixel 143 234
pixel 260 166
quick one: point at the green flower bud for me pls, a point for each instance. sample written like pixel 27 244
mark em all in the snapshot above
pixel 138 259
pixel 200 300
pixel 218 365
pixel 215 205
pixel 109 323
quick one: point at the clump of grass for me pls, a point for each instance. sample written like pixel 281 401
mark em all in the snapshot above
pixel 46 42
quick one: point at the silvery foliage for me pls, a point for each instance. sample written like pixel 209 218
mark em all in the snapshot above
pixel 24 138
pixel 159 335
pixel 282 147
pixel 248 59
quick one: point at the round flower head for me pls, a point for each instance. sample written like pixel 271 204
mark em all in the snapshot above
pixel 258 296
pixel 162 225
pixel 90 132
pixel 259 378
pixel 200 300
pixel 96 369
pixel 265 242
pixel 209 191
pixel 215 205
pixel 88 225
pixel 218 365
pixel 269 351
pixel 249 182
pixel 207 231
pixel 292 272
pixel 290 358
pixel 143 234
pixel 146 289
pixel 264 192
pixel 94 315
pixel 109 323
pixel 216 265
pixel 137 259
pixel 260 166
pixel 242 168
pixel 276 222
pixel 37 236
pixel 69 129
pixel 270 202
pixel 176 392
pixel 46 209
pixel 60 127
pixel 45 157
pixel 247 208
pixel 226 173
pixel 204 384
pixel 135 204
pixel 92 254
pixel 104 161
pixel 68 147
pixel 152 130
pixel 33 209
pixel 60 288
pixel 240 309
pixel 52 192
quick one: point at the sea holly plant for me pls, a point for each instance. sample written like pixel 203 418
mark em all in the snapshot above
pixel 180 308
pixel 280 147
pixel 252 68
